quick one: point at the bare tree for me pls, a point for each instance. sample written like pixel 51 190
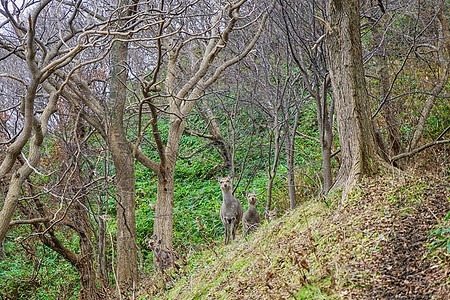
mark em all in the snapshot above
pixel 52 68
pixel 33 129
pixel 444 60
pixel 201 42
pixel 303 30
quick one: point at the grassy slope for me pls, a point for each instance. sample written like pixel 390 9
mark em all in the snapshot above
pixel 370 246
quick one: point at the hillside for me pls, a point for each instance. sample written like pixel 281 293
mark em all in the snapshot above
pixel 372 246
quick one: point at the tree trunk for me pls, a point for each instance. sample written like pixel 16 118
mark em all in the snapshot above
pixel 85 265
pixel 272 169
pixel 326 133
pixel 122 155
pixel 180 105
pixel 34 156
pixel 360 154
pixel 15 149
pixel 83 262
pixel 290 155
pixel 163 224
pixel 102 262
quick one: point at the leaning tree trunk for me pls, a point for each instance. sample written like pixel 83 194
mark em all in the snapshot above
pixel 360 154
pixel 35 146
pixel 218 141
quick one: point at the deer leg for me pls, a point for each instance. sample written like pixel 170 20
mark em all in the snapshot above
pixel 233 229
pixel 227 234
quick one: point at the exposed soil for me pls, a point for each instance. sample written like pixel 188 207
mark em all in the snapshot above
pixel 397 268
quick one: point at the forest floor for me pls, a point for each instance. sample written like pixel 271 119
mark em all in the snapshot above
pixel 400 267
pixel 374 245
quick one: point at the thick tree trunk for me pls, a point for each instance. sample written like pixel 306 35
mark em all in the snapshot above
pixel 359 151
pixel 85 263
pixel 122 155
pixel 127 268
pixel 163 224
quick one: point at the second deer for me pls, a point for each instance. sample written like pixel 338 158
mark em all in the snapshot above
pixel 251 219
pixel 231 210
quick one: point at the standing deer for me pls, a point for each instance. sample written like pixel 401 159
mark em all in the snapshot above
pixel 251 219
pixel 231 209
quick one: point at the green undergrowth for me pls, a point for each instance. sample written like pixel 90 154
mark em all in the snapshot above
pixel 313 252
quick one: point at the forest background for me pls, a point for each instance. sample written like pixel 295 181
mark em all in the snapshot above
pixel 116 115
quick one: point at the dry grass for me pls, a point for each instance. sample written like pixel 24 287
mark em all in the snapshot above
pixel 321 252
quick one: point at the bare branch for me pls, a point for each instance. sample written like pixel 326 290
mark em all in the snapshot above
pixel 417 150
pixel 30 221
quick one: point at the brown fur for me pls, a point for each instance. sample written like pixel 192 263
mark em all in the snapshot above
pixel 231 210
pixel 251 219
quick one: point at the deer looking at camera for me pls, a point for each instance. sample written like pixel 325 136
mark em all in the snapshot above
pixel 251 219
pixel 231 210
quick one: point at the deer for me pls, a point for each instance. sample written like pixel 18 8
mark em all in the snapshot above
pixel 251 219
pixel 231 210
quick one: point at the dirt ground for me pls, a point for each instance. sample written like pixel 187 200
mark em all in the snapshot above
pixel 398 268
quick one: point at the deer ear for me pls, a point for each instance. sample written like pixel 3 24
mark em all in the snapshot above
pixel 216 178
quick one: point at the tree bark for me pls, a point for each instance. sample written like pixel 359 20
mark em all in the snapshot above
pixel 325 119
pixel 122 155
pixel 219 143
pixel 360 154
pixel 290 155
pixel 272 169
